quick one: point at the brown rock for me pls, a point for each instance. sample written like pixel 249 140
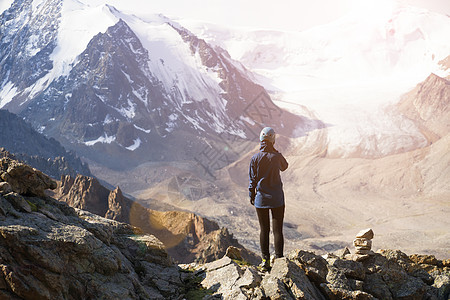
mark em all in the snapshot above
pixel 186 236
pixel 362 243
pixel 365 233
pixel 424 259
pixel 233 253
pixel 24 179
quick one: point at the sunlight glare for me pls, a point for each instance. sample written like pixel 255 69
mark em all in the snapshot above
pixel 374 11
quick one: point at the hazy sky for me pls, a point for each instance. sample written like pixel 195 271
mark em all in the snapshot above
pixel 279 14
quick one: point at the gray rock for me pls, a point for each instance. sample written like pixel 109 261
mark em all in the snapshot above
pixel 334 293
pixel 412 288
pixel 287 280
pixel 92 258
pixel 351 269
pixel 217 264
pixel 250 279
pixel 222 279
pixel 374 285
pixel 314 265
pixel 18 202
pixel 337 278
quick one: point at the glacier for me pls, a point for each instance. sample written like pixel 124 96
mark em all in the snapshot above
pixel 347 73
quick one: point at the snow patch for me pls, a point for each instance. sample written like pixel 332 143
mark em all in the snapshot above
pixel 7 93
pixel 136 144
pixel 128 112
pixel 105 139
pixel 142 129
pixel 108 119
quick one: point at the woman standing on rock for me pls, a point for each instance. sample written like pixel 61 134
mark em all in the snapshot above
pixel 266 193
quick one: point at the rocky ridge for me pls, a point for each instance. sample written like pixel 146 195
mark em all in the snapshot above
pixel 186 236
pixel 386 274
pixel 49 250
pixel 28 145
pixel 428 106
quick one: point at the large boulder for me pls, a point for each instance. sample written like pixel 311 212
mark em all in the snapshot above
pixel 24 179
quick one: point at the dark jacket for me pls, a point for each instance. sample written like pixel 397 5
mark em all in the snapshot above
pixel 264 176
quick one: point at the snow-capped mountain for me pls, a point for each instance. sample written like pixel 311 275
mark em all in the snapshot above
pixel 346 72
pixel 112 85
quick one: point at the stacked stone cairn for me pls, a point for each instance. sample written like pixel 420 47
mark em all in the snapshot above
pixel 363 242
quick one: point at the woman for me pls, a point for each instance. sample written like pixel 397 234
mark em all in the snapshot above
pixel 266 193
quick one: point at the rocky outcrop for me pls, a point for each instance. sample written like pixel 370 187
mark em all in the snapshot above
pixel 49 250
pixel 23 179
pixel 387 274
pixel 428 105
pixel 186 236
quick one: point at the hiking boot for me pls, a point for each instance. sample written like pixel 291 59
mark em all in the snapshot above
pixel 265 265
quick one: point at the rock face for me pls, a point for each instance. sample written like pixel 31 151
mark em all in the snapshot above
pixel 428 105
pixel 387 274
pixel 187 237
pixel 33 148
pixel 49 250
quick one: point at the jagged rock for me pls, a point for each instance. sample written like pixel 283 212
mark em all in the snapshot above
pixel 392 265
pixel 186 236
pixel 314 265
pixel 341 253
pixel 286 273
pixel 250 279
pixel 24 179
pixel 222 278
pixel 351 269
pixel 365 234
pixel 118 208
pixel 336 278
